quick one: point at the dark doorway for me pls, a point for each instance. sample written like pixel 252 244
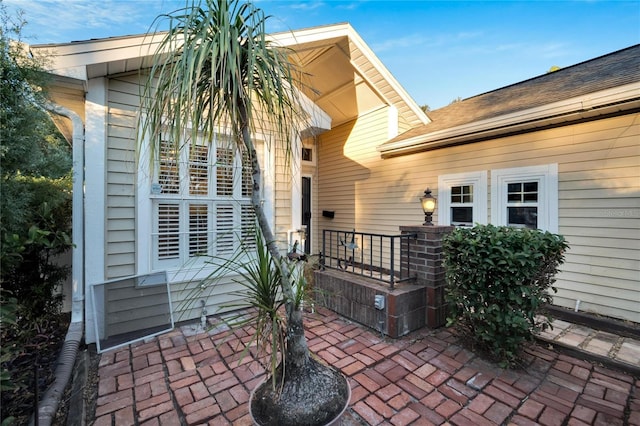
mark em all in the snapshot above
pixel 306 212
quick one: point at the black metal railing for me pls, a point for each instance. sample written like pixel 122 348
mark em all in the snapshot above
pixel 380 257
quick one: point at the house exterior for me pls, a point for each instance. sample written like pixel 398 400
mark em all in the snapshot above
pixel 560 152
pixel 133 222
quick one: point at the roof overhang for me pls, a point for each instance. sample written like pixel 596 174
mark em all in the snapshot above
pixel 348 80
pixel 615 101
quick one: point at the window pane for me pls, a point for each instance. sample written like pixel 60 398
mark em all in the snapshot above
pixel 462 216
pixel 523 217
pixel 247 179
pixel 514 187
pixel 168 231
pixel 199 170
pixel 198 227
pixel 168 176
pixel 224 174
pixel 247 226
pixel 520 192
pixel 224 229
pixel 462 194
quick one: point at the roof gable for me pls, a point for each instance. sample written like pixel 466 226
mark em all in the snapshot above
pixel 349 80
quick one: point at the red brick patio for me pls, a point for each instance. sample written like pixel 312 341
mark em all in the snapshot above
pixel 422 379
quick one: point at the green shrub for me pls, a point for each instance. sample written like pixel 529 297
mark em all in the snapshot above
pixel 29 246
pixel 498 280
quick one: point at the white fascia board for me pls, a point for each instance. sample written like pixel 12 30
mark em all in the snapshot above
pixel 72 59
pixel 387 76
pixel 583 103
pixel 310 35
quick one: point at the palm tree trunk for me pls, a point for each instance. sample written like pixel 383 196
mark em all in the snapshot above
pixel 297 349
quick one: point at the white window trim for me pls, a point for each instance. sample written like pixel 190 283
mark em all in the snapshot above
pixel 479 182
pixel 547 178
pixel 144 215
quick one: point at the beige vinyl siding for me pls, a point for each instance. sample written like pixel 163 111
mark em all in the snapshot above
pixel 219 297
pixel 283 188
pixel 123 102
pixel 599 195
pixel 121 244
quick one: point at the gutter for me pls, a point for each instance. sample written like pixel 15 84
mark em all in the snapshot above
pixel 48 406
pixel 606 102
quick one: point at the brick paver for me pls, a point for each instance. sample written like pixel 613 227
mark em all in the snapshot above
pixel 423 379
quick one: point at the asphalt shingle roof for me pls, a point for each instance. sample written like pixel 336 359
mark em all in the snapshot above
pixel 605 72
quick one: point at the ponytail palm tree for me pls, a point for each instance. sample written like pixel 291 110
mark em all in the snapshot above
pixel 215 69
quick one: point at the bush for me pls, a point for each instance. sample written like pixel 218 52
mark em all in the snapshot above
pixel 29 246
pixel 498 280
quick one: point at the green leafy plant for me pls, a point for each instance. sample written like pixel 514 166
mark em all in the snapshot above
pixel 498 281
pixel 35 226
pixel 8 317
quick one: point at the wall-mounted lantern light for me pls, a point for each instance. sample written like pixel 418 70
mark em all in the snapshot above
pixel 428 202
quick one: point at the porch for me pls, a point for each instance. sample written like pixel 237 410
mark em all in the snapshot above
pixel 391 283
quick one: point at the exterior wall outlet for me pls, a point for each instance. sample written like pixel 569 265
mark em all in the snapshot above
pixel 378 302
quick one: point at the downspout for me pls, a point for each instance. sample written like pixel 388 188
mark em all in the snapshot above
pixel 48 406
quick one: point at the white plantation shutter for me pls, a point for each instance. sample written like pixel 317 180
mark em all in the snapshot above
pixel 199 170
pixel 224 171
pixel 247 224
pixel 168 173
pixel 168 231
pixel 247 178
pixel 200 202
pixel 224 229
pixel 198 229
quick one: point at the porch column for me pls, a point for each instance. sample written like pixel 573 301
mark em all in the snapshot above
pixel 425 259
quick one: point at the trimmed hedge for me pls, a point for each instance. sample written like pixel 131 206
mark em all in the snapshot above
pixel 498 280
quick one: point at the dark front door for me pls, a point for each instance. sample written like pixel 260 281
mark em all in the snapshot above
pixel 306 211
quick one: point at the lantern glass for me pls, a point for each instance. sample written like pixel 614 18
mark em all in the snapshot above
pixel 428 203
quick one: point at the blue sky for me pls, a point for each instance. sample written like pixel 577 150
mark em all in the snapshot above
pixel 437 50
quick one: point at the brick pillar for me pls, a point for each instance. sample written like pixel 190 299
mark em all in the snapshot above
pixel 425 259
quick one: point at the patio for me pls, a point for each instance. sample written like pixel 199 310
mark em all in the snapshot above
pixel 189 376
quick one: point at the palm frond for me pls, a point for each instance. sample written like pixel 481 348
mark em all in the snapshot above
pixel 216 70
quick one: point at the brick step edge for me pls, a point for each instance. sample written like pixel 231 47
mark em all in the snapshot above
pixel 590 356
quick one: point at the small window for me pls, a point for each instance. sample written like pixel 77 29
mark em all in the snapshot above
pixel 526 197
pixel 462 198
pixel 462 205
pixel 307 154
pixel 522 204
